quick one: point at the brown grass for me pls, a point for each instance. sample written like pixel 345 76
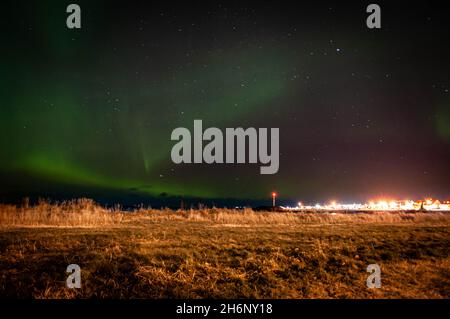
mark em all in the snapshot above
pixel 219 253
pixel 80 213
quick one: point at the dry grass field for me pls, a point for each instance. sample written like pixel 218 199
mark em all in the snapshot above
pixel 220 253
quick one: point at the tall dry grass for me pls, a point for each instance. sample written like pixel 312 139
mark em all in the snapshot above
pixel 247 217
pixel 86 213
pixel 80 212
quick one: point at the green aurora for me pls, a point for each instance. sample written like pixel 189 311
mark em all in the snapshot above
pixel 94 108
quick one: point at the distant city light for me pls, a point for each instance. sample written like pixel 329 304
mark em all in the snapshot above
pixel 428 204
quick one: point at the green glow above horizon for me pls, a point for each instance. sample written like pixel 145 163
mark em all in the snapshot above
pixel 120 140
pixel 92 110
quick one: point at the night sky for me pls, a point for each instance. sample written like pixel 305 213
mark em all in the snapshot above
pixel 362 113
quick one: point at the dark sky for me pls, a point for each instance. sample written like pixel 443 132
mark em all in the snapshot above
pixel 362 113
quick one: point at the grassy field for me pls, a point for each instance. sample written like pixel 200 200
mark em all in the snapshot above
pixel 218 253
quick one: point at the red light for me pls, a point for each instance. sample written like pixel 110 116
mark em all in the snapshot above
pixel 274 194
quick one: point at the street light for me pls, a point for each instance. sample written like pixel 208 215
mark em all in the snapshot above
pixel 274 195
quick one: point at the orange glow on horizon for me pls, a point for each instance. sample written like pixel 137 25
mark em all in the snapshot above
pixel 385 204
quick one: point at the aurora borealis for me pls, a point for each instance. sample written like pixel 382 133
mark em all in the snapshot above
pixel 89 112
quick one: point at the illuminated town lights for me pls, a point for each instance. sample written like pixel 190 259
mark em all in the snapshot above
pixel 429 204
